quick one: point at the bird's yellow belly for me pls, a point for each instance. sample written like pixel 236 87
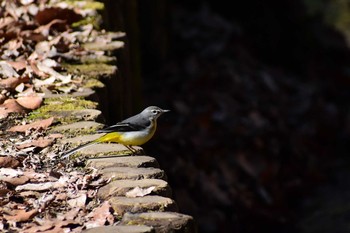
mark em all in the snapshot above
pixel 134 138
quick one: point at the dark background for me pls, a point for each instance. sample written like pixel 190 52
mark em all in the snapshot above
pixel 257 136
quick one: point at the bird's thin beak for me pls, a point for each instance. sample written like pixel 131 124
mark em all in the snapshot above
pixel 165 110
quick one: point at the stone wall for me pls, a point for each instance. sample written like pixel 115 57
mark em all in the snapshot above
pixel 135 187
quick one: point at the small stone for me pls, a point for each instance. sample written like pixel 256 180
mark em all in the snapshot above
pixel 162 221
pixel 121 229
pixel 78 115
pixel 122 205
pixel 125 161
pixel 105 150
pixel 82 126
pixel 121 187
pixel 124 173
pixel 83 92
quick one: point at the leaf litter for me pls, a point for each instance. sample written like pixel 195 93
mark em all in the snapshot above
pixel 38 192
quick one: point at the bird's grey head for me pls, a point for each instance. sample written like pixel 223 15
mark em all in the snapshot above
pixel 153 112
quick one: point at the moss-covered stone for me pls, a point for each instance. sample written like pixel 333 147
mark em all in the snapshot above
pixel 87 4
pixel 111 46
pixel 93 59
pixel 94 83
pixel 54 105
pixel 91 70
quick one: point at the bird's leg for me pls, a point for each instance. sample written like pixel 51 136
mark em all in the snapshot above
pixel 130 149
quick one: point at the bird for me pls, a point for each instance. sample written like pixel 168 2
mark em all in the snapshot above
pixel 133 131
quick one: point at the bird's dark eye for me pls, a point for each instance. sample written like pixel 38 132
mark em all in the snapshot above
pixel 154 111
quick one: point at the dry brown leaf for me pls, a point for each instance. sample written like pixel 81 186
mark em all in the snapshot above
pixel 40 142
pixel 7 71
pixel 43 124
pixel 21 216
pixel 3 113
pixel 100 216
pixel 15 180
pixel 33 65
pixel 72 214
pixel 9 106
pixel 4 21
pixel 55 135
pixel 2 98
pixel 30 102
pixel 139 192
pixel 18 65
pixel 78 202
pixel 53 227
pixel 9 162
pixel 4 192
pixel 47 227
pixel 9 172
pixel 36 187
pixel 46 15
pixel 11 83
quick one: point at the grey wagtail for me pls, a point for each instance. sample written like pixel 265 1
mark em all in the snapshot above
pixel 133 131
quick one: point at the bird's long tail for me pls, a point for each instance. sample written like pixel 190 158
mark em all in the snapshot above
pixel 69 153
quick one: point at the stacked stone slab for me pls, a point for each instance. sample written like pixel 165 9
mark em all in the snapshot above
pixel 154 212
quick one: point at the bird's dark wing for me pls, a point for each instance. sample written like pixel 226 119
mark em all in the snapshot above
pixel 121 127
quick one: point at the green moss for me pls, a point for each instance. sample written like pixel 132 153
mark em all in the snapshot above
pixel 91 70
pixel 94 5
pixel 54 105
pixel 98 59
pixel 94 83
pixel 94 20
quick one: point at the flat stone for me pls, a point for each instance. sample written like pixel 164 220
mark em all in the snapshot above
pixel 162 221
pixel 124 173
pixel 122 205
pixel 111 46
pixel 123 161
pixel 81 139
pixel 84 92
pixel 106 150
pixel 78 115
pixel 78 127
pixel 121 187
pixel 121 229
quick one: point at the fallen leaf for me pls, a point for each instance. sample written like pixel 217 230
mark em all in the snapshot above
pixel 11 83
pixel 30 102
pixel 55 135
pixel 20 88
pixel 9 162
pixel 18 65
pixel 40 142
pixel 21 216
pixel 100 216
pixel 15 180
pixel 78 202
pixel 10 172
pixel 70 215
pixel 7 71
pixel 139 192
pixel 36 187
pixel 48 70
pixel 9 106
pixel 33 65
pixel 33 194
pixel 4 192
pixel 43 124
pixel 55 227
pixel 46 15
pixel 2 98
